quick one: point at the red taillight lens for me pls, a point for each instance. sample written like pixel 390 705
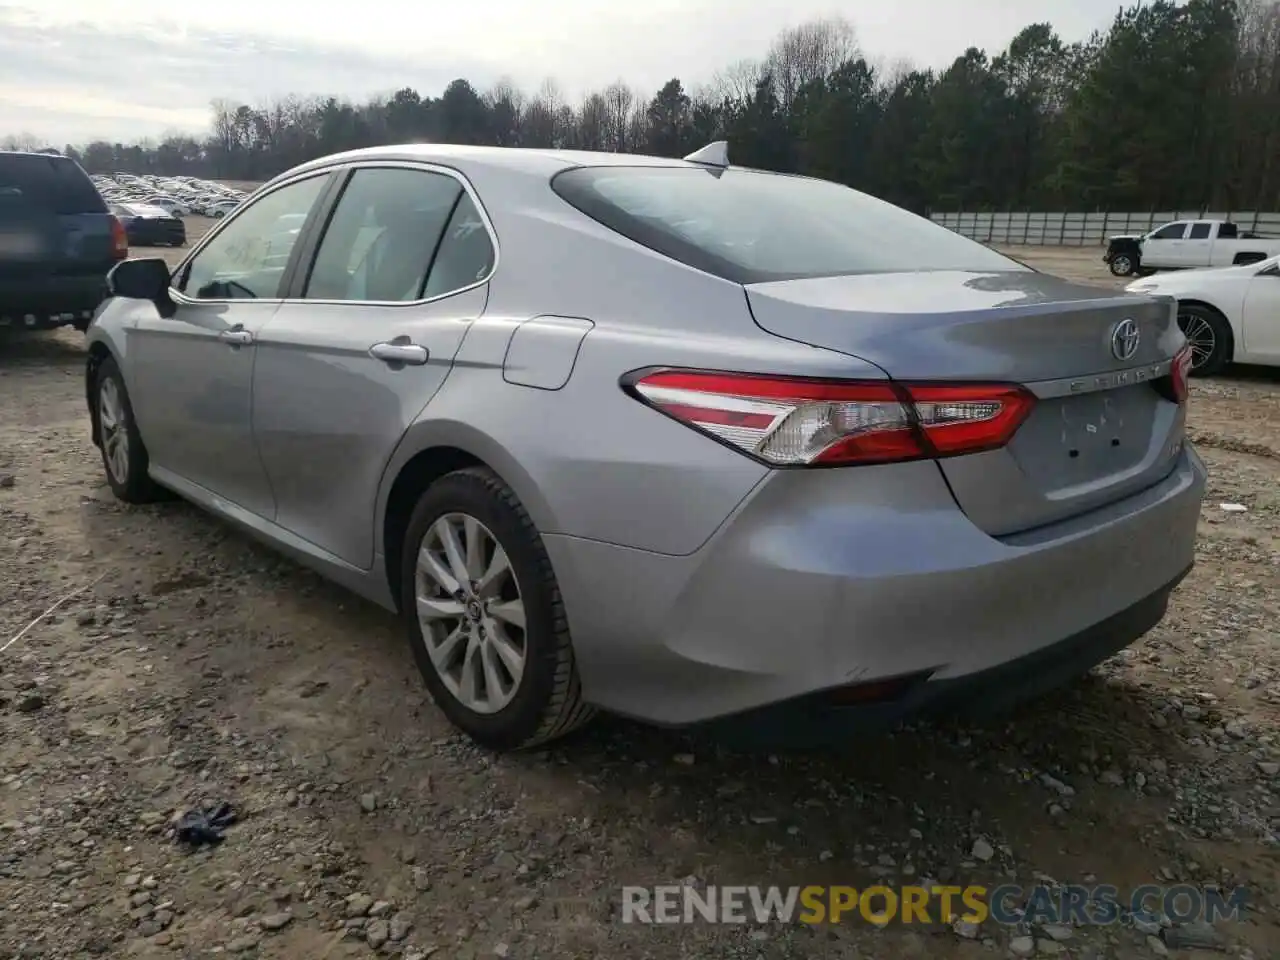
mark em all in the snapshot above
pixel 1180 374
pixel 119 240
pixel 800 422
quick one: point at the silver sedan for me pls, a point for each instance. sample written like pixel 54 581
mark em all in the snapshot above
pixel 688 442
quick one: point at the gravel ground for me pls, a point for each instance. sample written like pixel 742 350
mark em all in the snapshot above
pixel 196 666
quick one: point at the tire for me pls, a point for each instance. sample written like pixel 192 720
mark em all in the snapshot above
pixel 1210 337
pixel 126 470
pixel 1123 265
pixel 545 701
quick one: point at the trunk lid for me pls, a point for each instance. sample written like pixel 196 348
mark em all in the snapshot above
pixel 1100 430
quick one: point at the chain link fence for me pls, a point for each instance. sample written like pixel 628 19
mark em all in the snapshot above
pixel 1087 229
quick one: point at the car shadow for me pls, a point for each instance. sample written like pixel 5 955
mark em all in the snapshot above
pixel 1248 373
pixel 337 682
pixel 63 347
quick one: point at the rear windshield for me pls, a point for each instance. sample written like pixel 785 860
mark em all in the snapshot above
pixel 50 183
pixel 752 227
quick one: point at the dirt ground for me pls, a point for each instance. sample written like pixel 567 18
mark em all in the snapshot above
pixel 195 666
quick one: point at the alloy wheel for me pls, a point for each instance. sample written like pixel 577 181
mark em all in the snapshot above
pixel 1200 335
pixel 114 431
pixel 471 611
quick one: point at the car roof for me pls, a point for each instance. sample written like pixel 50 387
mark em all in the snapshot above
pixel 513 159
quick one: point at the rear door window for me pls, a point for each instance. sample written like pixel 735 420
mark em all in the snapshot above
pixel 752 227
pixel 1200 231
pixel 383 236
pixel 55 184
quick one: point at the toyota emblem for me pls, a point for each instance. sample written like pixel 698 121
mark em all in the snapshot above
pixel 1124 339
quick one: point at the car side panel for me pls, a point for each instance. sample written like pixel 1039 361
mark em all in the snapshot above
pixel 1260 315
pixel 594 462
pixel 108 330
pixel 327 415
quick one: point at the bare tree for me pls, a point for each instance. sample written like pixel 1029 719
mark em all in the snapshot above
pixel 507 104
pixel 620 100
pixel 26 142
pixel 593 122
pixel 890 73
pixel 736 81
pixel 810 51
pixel 1256 101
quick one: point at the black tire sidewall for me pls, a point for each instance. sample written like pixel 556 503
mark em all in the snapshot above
pixel 472 492
pixel 136 485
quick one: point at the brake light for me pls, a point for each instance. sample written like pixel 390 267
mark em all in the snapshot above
pixel 1180 373
pixel 119 239
pixel 801 422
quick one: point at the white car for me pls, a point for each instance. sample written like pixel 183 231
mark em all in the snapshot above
pixel 221 208
pixel 1229 315
pixel 169 205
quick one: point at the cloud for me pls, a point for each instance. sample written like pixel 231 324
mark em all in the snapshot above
pixel 81 81
pixel 78 69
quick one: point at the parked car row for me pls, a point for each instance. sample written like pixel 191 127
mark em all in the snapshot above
pixel 178 196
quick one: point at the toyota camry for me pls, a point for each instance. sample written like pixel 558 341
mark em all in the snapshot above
pixel 693 443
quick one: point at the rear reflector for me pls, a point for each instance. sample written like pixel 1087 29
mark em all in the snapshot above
pixel 800 422
pixel 119 240
pixel 1179 373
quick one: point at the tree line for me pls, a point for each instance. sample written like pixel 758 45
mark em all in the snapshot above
pixel 1174 106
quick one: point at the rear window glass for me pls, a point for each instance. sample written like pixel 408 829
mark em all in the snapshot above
pixel 752 227
pixel 52 183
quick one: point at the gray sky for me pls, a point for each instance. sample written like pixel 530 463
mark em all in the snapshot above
pixel 75 70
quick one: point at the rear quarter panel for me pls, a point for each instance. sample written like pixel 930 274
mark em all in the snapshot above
pixel 587 459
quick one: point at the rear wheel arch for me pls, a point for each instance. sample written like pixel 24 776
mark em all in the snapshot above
pixel 434 461
pixel 422 470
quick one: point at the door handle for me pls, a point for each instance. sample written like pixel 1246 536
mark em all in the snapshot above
pixel 407 353
pixel 236 336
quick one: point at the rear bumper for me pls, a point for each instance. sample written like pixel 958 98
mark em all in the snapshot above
pixel 826 579
pixel 821 718
pixel 153 234
pixel 43 302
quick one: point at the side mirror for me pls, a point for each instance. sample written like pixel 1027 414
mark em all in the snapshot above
pixel 146 278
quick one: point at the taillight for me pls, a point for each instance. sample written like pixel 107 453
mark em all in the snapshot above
pixel 1180 373
pixel 799 422
pixel 119 240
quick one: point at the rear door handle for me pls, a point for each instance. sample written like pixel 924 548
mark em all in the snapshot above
pixel 407 353
pixel 236 336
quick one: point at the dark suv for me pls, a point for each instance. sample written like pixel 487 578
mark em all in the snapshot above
pixel 57 242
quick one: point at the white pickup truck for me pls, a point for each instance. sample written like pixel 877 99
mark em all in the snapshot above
pixel 1187 245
